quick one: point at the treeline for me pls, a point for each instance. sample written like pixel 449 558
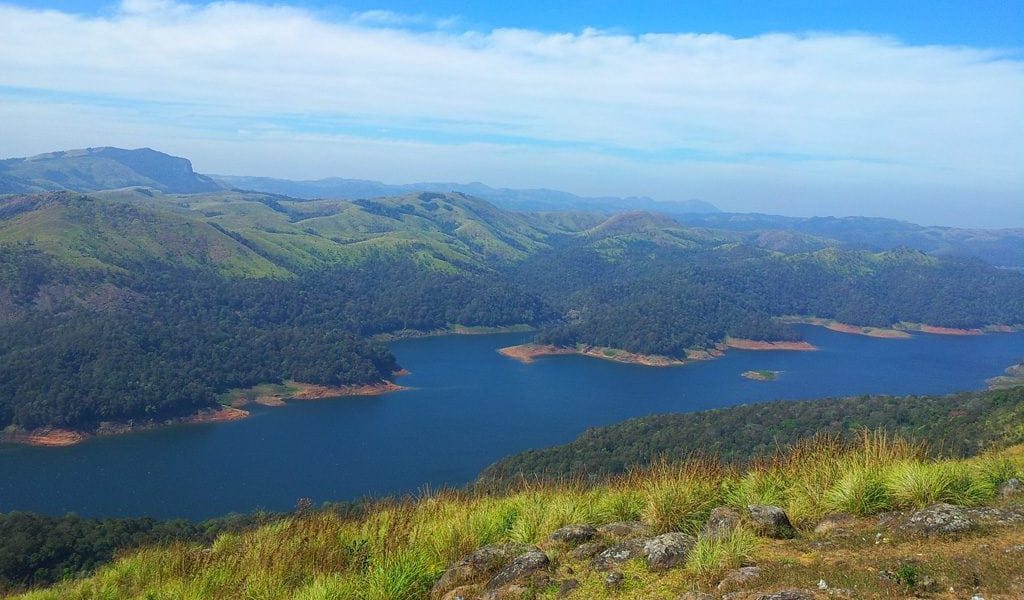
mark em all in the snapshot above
pixel 955 425
pixel 78 347
pixel 664 301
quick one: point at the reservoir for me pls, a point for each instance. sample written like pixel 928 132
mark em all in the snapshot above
pixel 467 407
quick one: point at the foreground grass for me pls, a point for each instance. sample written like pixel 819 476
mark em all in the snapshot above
pixel 399 548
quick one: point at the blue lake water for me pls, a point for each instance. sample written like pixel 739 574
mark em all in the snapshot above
pixel 468 407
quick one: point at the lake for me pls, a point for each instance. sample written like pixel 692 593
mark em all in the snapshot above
pixel 467 408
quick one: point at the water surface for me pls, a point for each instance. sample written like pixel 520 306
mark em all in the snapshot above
pixel 468 407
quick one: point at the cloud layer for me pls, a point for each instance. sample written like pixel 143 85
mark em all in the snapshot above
pixel 757 122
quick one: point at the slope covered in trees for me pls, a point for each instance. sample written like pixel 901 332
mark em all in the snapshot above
pixel 961 424
pixel 132 303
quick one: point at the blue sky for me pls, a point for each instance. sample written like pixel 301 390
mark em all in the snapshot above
pixel 979 22
pixel 912 110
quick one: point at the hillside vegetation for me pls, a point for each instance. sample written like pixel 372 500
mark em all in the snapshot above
pixel 135 304
pixel 662 543
pixel 954 425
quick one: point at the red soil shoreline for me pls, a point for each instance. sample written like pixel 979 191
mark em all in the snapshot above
pixel 527 353
pixel 743 344
pixel 54 437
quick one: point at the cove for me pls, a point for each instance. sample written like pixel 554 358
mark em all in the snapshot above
pixel 467 408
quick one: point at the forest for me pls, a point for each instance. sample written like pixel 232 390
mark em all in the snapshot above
pixel 134 305
pixel 956 425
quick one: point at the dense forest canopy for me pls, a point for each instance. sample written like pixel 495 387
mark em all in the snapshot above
pixel 133 304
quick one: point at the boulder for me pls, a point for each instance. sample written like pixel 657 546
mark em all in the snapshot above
pixel 618 554
pixel 937 519
pixel 667 550
pixel 567 587
pixel 624 530
pixel 521 568
pixel 614 580
pixel 722 521
pixel 770 521
pixel 574 535
pixel 788 595
pixel 833 523
pixel 739 577
pixel 1013 487
pixel 476 567
pixel 587 550
pixel 464 592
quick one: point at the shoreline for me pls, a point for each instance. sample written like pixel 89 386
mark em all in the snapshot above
pixel 58 437
pixel 1012 377
pixel 410 334
pixel 901 330
pixel 529 352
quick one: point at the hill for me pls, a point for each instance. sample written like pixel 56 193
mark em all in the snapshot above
pixel 100 292
pixel 94 169
pixel 523 200
pixel 1000 247
pixel 962 424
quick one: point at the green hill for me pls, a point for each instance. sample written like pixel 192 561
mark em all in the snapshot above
pixel 93 169
pixel 117 282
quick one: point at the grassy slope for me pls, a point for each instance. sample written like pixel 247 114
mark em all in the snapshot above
pixel 258 235
pixel 398 549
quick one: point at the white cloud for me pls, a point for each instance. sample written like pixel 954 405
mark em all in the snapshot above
pixel 679 108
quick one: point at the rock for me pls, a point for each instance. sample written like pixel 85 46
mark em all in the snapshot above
pixel 788 595
pixel 1019 548
pixel 696 596
pixel 834 522
pixel 770 521
pixel 574 534
pixel 667 550
pixel 938 518
pixel 460 593
pixel 476 567
pixel 1013 487
pixel 614 580
pixel 739 577
pixel 522 567
pixel 617 555
pixel 624 530
pixel 588 550
pixel 722 521
pixel 566 587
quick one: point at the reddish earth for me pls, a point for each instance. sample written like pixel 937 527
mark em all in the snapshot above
pixel 527 353
pixel 52 437
pixel 742 344
pixel 308 391
pixel 948 330
pixel 44 437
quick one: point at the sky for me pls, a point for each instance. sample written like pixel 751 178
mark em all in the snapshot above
pixel 911 110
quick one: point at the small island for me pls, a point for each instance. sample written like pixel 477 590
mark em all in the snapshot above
pixel 527 353
pixel 761 375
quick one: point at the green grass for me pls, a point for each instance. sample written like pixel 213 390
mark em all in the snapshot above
pixel 399 548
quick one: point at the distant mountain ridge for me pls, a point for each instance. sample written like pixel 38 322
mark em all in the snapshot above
pixel 105 168
pixel 527 200
pixel 108 168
